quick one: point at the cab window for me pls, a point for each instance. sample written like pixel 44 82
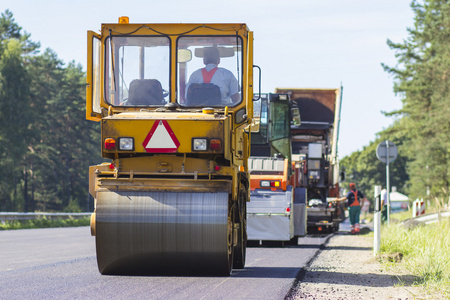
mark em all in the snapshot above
pixel 209 71
pixel 137 70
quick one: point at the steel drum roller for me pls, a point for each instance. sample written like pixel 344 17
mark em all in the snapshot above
pixel 153 232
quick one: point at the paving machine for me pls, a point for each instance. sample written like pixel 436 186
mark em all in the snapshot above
pixel 173 196
pixel 314 148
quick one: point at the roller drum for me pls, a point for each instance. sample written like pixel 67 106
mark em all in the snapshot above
pixel 162 232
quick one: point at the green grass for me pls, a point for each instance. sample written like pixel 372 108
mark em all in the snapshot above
pixel 400 216
pixel 425 252
pixel 44 223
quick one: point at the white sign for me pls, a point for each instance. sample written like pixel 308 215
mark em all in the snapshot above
pixel 161 139
pixel 385 150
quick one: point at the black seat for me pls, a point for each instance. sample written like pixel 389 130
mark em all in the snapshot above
pixel 201 94
pixel 145 92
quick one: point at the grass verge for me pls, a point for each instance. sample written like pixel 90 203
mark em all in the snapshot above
pixel 44 223
pixel 423 252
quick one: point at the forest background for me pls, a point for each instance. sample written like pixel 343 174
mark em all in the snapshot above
pixel 421 131
pixel 47 146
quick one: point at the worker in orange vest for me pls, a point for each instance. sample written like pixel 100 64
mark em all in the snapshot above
pixel 355 199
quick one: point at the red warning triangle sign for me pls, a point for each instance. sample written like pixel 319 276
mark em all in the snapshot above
pixel 161 139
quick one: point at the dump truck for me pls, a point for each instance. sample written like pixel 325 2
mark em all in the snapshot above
pixel 315 152
pixel 172 195
pixel 275 211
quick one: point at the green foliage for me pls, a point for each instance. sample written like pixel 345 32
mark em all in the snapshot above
pixel 44 223
pixel 364 168
pixel 422 128
pixel 46 144
pixel 11 30
pixel 422 78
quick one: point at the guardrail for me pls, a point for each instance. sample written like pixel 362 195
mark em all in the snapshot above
pixel 6 216
pixel 429 218
pixel 432 218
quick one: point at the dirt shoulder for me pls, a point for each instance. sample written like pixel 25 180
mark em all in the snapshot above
pixel 347 269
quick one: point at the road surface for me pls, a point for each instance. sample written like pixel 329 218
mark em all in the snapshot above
pixel 60 263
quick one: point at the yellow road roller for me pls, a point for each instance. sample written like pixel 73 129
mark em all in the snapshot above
pixel 175 103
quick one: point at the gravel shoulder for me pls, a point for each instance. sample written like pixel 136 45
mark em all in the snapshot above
pixel 346 268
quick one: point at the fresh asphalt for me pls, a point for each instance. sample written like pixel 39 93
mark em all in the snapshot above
pixel 60 263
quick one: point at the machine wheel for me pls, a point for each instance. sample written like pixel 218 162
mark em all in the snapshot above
pixel 241 218
pixel 156 240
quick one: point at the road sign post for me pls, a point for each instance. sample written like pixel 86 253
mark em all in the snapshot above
pixel 387 152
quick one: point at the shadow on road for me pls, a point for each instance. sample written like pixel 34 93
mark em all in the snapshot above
pixel 266 272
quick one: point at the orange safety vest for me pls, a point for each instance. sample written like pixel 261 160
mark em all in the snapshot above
pixel 207 75
pixel 356 202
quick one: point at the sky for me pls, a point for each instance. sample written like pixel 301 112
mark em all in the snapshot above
pixel 297 43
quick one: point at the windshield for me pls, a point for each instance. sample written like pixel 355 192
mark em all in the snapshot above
pixel 137 70
pixel 280 120
pixel 210 75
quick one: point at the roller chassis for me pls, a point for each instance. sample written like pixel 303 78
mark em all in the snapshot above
pixel 168 202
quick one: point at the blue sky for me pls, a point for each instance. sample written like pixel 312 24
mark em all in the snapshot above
pixel 298 43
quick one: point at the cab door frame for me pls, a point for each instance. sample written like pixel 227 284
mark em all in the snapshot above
pixel 93 77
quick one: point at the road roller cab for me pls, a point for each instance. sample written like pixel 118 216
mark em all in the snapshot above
pixel 172 196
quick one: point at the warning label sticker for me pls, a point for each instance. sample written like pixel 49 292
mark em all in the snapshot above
pixel 161 139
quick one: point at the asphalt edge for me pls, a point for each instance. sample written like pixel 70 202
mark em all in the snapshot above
pixel 302 272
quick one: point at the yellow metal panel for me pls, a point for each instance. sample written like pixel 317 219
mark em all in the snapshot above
pixel 175 29
pixel 165 184
pixel 156 163
pixel 227 138
pixel 249 95
pixel 184 129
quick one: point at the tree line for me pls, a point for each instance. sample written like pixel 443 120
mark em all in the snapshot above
pixel 46 145
pixel 422 127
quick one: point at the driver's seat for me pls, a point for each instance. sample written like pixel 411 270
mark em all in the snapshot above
pixel 145 92
pixel 201 94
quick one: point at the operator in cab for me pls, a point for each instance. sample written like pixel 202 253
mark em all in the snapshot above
pixel 213 75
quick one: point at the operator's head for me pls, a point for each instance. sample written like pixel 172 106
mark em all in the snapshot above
pixel 211 56
pixel 352 186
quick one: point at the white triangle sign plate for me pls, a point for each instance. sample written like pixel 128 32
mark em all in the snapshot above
pixel 161 139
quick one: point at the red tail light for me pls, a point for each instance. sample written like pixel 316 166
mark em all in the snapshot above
pixel 215 144
pixel 110 144
pixel 274 183
pixel 270 183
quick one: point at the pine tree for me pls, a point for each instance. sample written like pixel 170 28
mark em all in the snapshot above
pixel 422 78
